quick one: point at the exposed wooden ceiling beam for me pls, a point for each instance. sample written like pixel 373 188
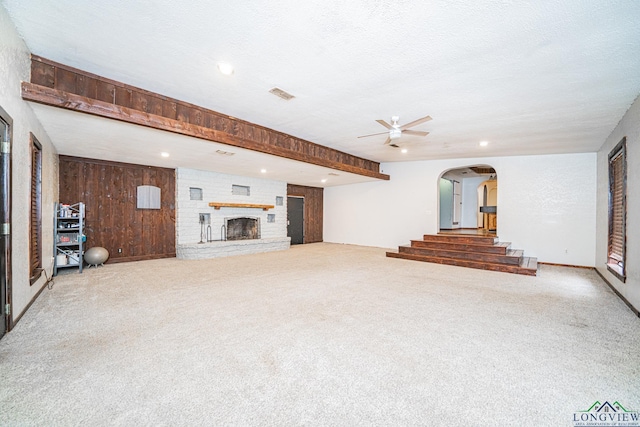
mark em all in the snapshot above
pixel 61 86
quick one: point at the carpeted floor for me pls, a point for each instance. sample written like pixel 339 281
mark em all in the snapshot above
pixel 322 334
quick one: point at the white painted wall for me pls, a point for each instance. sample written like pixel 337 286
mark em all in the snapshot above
pixel 547 205
pixel 216 187
pixel 15 66
pixel 629 126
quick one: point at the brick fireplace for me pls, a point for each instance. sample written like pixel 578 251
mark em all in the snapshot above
pixel 204 231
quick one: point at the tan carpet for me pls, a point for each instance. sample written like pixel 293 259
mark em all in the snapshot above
pixel 321 334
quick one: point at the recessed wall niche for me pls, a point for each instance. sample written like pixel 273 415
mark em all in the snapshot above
pixel 195 193
pixel 240 190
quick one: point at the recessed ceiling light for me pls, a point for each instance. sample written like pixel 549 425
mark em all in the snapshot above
pixel 263 171
pixel 323 180
pixel 225 68
pixel 164 154
pixel 404 151
pixel 484 143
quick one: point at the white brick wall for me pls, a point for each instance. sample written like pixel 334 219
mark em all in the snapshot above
pixel 232 248
pixel 216 187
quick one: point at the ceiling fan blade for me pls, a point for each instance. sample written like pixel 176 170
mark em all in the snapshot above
pixel 387 141
pixel 415 123
pixel 374 134
pixel 415 132
pixel 385 124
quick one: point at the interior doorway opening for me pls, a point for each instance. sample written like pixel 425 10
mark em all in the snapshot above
pixel 468 200
pixel 295 219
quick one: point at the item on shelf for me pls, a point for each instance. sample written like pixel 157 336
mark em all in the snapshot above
pixel 73 258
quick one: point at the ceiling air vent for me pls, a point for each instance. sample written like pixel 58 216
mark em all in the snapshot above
pixel 225 153
pixel 282 94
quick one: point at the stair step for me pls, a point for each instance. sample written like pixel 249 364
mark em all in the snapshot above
pixel 461 238
pixel 511 257
pixel 497 248
pixel 528 265
pixel 530 262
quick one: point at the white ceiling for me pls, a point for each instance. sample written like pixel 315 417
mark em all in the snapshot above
pixel 531 77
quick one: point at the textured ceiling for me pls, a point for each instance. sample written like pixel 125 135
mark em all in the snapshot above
pixel 531 77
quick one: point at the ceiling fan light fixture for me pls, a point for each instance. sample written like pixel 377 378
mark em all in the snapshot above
pixel 395 131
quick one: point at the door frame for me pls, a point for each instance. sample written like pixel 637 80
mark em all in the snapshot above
pixel 457 173
pixel 5 218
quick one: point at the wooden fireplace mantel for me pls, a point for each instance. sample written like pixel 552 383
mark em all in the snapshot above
pixel 218 205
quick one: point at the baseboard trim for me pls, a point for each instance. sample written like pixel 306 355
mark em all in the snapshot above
pixel 140 258
pixel 13 322
pixel 564 265
pixel 631 307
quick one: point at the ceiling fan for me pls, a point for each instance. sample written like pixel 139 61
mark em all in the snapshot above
pixel 396 131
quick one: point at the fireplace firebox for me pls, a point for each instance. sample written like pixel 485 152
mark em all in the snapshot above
pixel 242 228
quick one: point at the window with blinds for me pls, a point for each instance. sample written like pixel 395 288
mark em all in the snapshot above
pixel 35 235
pixel 617 210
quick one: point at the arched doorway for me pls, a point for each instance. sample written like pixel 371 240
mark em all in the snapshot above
pixel 468 198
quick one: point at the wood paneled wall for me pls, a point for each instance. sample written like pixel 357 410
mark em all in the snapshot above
pixel 313 210
pixel 66 87
pixel 109 191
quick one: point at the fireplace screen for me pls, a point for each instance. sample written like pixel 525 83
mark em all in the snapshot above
pixel 243 228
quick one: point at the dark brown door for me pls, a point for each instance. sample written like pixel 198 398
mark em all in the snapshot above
pixel 295 217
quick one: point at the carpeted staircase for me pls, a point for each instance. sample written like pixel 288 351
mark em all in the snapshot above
pixel 483 252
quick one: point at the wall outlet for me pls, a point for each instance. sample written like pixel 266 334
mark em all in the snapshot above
pixel 119 250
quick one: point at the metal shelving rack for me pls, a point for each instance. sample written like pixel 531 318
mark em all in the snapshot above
pixel 68 242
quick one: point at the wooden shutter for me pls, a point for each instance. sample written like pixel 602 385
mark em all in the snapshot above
pixel 616 239
pixel 35 240
pixel 616 256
